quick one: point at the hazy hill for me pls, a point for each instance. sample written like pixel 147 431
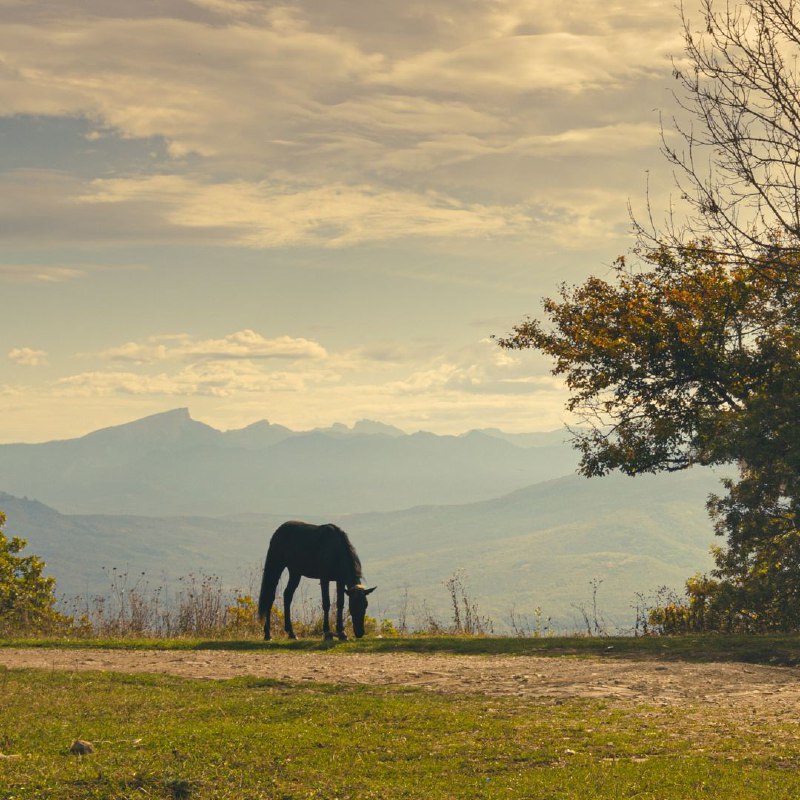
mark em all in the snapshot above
pixel 170 464
pixel 543 545
pixel 539 546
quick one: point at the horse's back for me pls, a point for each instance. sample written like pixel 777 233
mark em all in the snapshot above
pixel 296 535
pixel 305 548
pixel 292 529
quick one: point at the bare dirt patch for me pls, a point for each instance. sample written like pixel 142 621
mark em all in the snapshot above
pixel 771 690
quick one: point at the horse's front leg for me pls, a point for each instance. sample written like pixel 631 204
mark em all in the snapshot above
pixel 288 593
pixel 326 607
pixel 340 610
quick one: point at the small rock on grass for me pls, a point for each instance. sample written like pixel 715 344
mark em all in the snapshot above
pixel 81 748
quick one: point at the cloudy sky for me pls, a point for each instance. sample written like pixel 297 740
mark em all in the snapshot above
pixel 310 212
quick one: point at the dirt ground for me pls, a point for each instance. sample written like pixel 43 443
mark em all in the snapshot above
pixel 774 690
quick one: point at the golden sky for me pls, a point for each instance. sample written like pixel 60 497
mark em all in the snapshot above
pixel 314 211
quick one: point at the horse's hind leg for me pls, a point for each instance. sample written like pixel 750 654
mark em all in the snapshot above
pixel 288 593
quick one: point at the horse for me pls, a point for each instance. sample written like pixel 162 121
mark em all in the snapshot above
pixel 315 551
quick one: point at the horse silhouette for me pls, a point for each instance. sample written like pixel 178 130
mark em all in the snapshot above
pixel 314 551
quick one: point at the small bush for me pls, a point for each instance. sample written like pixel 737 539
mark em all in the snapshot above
pixel 712 606
pixel 27 597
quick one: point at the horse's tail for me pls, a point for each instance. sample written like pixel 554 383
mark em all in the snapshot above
pixel 269 581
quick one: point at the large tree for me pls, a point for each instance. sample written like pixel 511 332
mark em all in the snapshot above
pixel 690 352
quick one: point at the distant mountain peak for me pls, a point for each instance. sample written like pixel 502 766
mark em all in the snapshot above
pixel 370 426
pixel 163 428
pixel 175 416
pixel 262 433
pixel 364 427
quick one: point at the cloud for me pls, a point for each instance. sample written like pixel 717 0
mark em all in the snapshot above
pixel 244 363
pixel 245 344
pixel 439 388
pixel 315 124
pixel 219 379
pixel 27 356
pixel 47 206
pixel 478 369
pixel 325 91
pixel 592 141
pixel 273 215
pixel 249 344
pixel 56 273
pixel 239 363
pixel 183 209
pixel 39 273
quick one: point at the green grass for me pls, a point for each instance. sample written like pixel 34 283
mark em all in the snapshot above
pixel 776 650
pixel 165 737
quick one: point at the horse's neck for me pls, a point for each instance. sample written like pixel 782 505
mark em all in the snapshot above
pixel 349 566
pixel 351 576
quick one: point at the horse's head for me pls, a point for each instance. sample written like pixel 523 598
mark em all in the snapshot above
pixel 358 607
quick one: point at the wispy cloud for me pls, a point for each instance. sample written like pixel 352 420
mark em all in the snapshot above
pixel 57 273
pixel 211 379
pixel 244 362
pixel 245 344
pixel 269 215
pixel 39 273
pixel 27 356
pixel 183 209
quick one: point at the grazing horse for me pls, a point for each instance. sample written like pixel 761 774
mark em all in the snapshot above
pixel 315 551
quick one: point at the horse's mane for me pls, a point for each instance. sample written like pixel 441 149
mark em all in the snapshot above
pixel 349 549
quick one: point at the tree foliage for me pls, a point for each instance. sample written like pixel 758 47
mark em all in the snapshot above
pixel 27 597
pixel 690 354
pixel 688 362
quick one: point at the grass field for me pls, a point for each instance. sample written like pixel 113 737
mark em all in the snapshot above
pixel 167 737
pixel 175 738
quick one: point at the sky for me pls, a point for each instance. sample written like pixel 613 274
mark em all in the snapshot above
pixel 311 212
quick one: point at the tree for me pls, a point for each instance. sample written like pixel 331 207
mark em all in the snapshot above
pixel 690 354
pixel 27 597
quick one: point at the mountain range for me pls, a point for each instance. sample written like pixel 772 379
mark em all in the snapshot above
pixel 169 464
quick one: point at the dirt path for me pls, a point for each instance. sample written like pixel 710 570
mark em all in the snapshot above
pixel 775 690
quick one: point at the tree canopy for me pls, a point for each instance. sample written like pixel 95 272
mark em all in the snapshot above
pixel 688 362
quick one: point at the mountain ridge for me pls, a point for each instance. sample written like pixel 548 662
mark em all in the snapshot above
pixel 171 464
